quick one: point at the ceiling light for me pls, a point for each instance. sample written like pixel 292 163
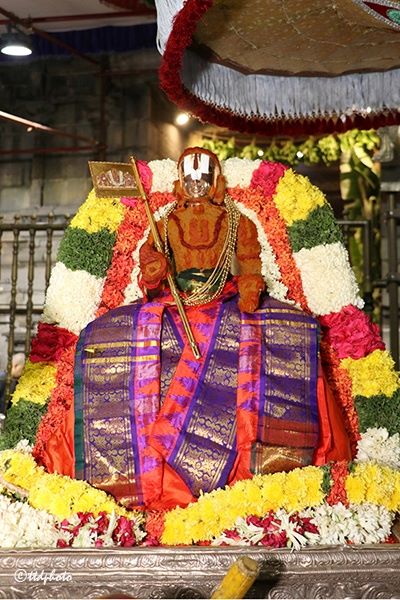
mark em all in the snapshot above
pixel 15 43
pixel 182 118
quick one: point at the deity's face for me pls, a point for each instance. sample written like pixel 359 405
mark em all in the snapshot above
pixel 198 171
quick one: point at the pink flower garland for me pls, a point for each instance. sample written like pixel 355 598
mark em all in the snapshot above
pixel 351 333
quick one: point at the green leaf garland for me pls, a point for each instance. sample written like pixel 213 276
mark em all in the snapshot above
pixel 379 411
pixel 22 422
pixel 91 252
pixel 319 228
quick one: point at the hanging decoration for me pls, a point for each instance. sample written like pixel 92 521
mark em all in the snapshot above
pixel 282 68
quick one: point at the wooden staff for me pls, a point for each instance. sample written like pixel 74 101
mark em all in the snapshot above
pixel 159 246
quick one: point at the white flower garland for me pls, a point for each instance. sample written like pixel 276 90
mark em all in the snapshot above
pixel 164 175
pixel 239 171
pixel 72 298
pixel 358 524
pixel 376 445
pixel 25 527
pixel 328 281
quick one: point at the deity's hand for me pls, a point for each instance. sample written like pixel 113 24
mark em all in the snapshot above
pixel 153 265
pixel 250 288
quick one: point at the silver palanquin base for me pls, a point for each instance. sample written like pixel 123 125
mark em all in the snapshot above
pixel 331 572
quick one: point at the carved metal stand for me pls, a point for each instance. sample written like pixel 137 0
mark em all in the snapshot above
pixel 330 572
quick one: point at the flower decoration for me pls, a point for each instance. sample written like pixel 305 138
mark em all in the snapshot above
pixel 370 482
pixel 328 281
pixel 24 527
pixel 351 333
pixel 99 213
pixel 83 251
pixel 377 445
pixel 238 172
pixel 72 298
pixel 50 342
pixel 267 177
pixel 373 374
pixel 303 261
pixel 61 496
pixel 85 530
pixel 164 175
pixel 296 197
pixel 36 383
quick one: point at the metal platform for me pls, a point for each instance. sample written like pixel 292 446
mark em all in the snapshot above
pixel 186 572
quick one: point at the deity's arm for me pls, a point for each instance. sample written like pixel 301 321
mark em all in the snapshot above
pixel 153 264
pixel 248 250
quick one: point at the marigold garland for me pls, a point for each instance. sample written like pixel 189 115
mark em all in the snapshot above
pixel 58 494
pixel 99 213
pixel 296 197
pixel 370 482
pixel 218 510
pixel 36 383
pixel 372 375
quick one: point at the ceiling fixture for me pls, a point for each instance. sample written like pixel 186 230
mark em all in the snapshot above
pixel 182 118
pixel 15 43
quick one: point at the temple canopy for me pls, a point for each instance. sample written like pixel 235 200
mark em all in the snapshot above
pixel 282 67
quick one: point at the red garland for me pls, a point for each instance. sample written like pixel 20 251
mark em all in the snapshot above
pixel 180 38
pixel 60 402
pixel 130 232
pixel 50 342
pixel 339 473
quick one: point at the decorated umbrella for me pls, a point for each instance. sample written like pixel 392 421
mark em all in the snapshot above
pixel 282 66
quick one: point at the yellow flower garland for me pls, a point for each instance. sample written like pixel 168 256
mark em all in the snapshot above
pixel 372 375
pixel 370 482
pixel 296 197
pixel 59 495
pixel 36 383
pixel 99 213
pixel 218 510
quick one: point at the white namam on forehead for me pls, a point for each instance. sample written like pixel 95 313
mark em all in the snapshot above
pixel 195 165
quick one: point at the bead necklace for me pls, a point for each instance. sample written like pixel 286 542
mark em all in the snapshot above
pixel 204 293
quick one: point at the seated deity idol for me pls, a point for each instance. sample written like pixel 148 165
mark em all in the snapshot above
pixel 155 426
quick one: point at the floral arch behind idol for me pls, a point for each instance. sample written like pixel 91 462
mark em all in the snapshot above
pixel 303 262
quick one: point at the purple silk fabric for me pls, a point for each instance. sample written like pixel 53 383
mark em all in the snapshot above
pixel 128 363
